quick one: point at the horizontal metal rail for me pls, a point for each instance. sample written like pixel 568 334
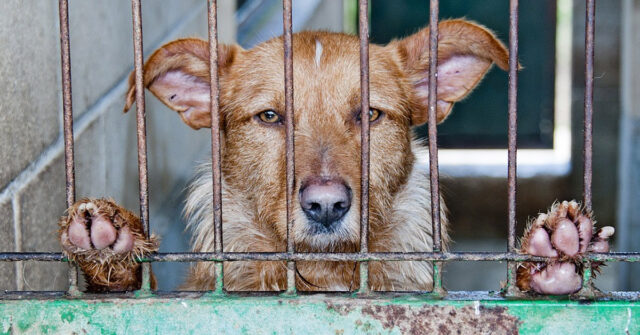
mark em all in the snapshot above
pixel 631 257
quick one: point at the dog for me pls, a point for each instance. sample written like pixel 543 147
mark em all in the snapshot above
pixel 104 239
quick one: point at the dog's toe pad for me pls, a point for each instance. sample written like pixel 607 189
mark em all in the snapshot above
pixel 563 234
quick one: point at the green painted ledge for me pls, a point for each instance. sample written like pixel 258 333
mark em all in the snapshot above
pixel 314 314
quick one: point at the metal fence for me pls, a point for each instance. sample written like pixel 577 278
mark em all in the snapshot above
pixel 438 256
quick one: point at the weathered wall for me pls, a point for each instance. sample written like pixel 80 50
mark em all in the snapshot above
pixel 32 172
pixel 31 149
pixel 629 173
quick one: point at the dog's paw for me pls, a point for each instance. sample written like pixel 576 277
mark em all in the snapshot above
pixel 564 234
pixel 105 240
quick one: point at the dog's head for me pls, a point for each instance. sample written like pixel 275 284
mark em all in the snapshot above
pixel 327 118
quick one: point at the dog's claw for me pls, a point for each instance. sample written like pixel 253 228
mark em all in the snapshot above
pixel 563 234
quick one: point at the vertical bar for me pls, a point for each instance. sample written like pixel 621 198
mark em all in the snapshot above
pixel 433 130
pixel 141 130
pixel 588 102
pixel 512 135
pixel 215 136
pixel 434 8
pixel 363 21
pixel 588 290
pixel 67 109
pixel 288 91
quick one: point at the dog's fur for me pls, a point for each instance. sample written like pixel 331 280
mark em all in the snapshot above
pixel 327 100
pixel 327 145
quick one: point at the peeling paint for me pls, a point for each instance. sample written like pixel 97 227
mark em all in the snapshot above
pixel 315 314
pixel 437 319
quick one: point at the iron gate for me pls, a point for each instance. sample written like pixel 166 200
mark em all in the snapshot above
pixel 146 311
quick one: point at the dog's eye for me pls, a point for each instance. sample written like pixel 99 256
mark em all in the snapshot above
pixel 270 117
pixel 374 115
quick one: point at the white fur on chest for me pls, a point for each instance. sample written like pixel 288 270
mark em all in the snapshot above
pixel 410 226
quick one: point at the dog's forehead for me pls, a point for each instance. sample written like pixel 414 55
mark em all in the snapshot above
pixel 319 54
pixel 326 74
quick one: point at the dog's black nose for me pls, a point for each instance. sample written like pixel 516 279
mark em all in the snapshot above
pixel 325 201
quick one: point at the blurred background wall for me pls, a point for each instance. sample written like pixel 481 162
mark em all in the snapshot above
pixel 31 149
pixel 32 181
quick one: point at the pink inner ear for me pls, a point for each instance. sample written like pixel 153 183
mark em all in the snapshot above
pixel 458 75
pixel 186 94
pixel 181 91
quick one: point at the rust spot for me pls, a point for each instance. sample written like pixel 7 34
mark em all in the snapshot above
pixel 444 319
pixel 342 309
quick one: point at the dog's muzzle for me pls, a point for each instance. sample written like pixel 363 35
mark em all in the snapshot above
pixel 325 202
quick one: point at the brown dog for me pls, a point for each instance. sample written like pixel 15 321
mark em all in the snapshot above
pixel 327 151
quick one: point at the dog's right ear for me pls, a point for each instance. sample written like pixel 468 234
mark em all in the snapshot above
pixel 466 51
pixel 178 74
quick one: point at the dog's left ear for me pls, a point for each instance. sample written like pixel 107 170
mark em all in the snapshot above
pixel 466 52
pixel 178 75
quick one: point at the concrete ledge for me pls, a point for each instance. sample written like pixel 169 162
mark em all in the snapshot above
pixel 476 313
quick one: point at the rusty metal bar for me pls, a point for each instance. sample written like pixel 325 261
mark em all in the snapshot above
pixel 67 102
pixel 433 130
pixel 588 101
pixel 141 128
pixel 288 92
pixel 32 256
pixel 512 139
pixel 354 257
pixel 216 168
pixel 67 110
pixel 290 255
pixel 363 21
pixel 588 290
pixel 629 257
pixel 434 8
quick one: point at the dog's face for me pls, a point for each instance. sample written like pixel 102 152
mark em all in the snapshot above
pixel 327 116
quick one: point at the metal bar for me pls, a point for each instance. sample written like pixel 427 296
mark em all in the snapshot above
pixel 32 256
pixel 588 102
pixel 141 128
pixel 288 92
pixel 512 138
pixel 215 135
pixel 363 20
pixel 182 296
pixel 434 8
pixel 433 130
pixel 67 110
pixel 631 257
pixel 386 256
pixel 588 290
pixel 67 102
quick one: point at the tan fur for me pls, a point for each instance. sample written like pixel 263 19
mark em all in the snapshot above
pixel 400 205
pixel 409 229
pixel 327 145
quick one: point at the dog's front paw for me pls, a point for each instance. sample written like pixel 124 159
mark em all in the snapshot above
pixel 105 240
pixel 565 233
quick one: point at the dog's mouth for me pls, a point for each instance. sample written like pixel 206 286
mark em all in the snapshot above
pixel 323 228
pixel 340 236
